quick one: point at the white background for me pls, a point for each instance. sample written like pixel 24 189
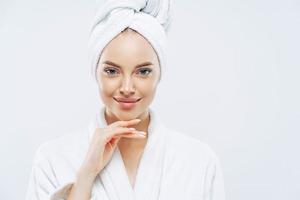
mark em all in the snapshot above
pixel 232 81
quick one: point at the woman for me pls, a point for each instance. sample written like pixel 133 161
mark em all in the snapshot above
pixel 127 152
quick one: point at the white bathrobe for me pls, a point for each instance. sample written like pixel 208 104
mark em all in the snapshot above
pixel 173 166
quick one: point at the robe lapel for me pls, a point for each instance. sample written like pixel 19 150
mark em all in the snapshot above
pixel 115 180
pixel 150 169
pixel 114 177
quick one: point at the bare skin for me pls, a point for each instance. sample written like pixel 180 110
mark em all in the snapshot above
pixel 134 55
pixel 132 150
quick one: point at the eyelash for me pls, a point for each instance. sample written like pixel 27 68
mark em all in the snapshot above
pixel 112 69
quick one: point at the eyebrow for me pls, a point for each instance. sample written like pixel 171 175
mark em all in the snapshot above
pixel 118 66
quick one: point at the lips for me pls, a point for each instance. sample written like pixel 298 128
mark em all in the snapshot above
pixel 127 103
pixel 127 100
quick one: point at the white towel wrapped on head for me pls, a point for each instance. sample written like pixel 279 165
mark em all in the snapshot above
pixel 150 18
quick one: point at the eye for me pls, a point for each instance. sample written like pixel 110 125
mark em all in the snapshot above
pixel 145 71
pixel 110 71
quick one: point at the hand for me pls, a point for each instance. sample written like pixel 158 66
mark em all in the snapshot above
pixel 104 142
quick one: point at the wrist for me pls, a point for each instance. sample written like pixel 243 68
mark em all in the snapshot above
pixel 85 176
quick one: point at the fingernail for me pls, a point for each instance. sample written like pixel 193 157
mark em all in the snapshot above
pixel 142 132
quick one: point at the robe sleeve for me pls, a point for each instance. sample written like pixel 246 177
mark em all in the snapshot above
pixel 43 184
pixel 215 183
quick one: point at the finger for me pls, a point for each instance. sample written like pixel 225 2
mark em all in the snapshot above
pixel 137 136
pixel 130 135
pixel 125 123
pixel 133 133
pixel 111 132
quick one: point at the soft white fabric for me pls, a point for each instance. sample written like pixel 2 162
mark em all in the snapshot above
pixel 173 166
pixel 151 18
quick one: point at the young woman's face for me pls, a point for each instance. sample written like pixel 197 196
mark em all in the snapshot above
pixel 128 70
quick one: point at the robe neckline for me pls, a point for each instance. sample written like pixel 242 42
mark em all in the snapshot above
pixel 113 176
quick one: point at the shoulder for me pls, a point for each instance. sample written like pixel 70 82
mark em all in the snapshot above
pixel 189 147
pixel 58 159
pixel 67 145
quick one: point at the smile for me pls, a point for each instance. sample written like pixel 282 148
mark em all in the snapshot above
pixel 127 104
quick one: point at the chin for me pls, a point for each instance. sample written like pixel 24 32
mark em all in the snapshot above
pixel 126 115
pixel 122 114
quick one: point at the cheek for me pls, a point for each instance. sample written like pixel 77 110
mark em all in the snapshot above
pixel 147 88
pixel 107 87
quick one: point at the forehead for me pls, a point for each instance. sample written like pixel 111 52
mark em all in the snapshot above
pixel 129 49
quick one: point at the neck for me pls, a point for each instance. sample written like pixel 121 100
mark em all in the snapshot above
pixel 132 143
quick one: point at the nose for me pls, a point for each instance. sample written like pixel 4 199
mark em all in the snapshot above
pixel 127 88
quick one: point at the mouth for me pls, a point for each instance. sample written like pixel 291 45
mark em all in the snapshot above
pixel 124 100
pixel 127 103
